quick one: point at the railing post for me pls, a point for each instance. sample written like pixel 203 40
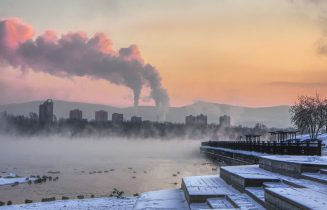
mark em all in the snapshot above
pixel 298 150
pixel 274 147
pixel 319 148
pixel 306 149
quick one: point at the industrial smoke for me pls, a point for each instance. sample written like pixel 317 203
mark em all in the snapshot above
pixel 75 54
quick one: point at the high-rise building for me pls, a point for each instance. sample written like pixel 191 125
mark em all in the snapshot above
pixel 75 114
pixel 117 118
pixel 189 120
pixel 46 111
pixel 101 116
pixel 136 119
pixel 224 121
pixel 196 120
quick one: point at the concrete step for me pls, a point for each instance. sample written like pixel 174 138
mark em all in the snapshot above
pixel 323 171
pixel 317 177
pixel 294 198
pixel 274 184
pixel 257 193
pixel 241 177
pixel 199 206
pixel 163 199
pixel 292 165
pixel 244 202
pixel 198 189
pixel 221 203
pixel 297 183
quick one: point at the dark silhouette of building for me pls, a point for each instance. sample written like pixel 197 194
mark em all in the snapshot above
pixel 136 119
pixel 101 116
pixel 224 121
pixel 196 120
pixel 117 118
pixel 189 120
pixel 75 114
pixel 33 116
pixel 46 111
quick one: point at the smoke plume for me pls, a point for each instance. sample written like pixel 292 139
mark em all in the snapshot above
pixel 75 54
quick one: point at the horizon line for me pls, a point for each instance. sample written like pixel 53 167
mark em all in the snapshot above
pixel 124 107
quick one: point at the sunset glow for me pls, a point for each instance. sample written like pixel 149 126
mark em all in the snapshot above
pixel 249 53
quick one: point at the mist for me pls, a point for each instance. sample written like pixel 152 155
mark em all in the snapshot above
pixel 133 166
pixel 57 148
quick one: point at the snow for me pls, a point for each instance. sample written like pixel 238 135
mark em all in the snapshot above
pixel 163 199
pixel 214 186
pixel 199 206
pixel 306 198
pixel 297 192
pixel 242 152
pixel 255 170
pixel 250 172
pixel 10 181
pixel 304 137
pixel 220 203
pixel 257 192
pixel 85 204
pixel 319 160
pixel 205 185
pixel 316 160
pixel 316 177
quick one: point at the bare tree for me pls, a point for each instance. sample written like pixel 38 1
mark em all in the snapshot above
pixel 309 114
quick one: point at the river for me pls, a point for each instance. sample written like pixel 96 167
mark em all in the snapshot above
pixel 130 165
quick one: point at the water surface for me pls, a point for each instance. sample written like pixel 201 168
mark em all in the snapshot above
pixel 152 163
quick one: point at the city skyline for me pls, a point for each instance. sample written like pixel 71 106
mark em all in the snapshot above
pixel 231 52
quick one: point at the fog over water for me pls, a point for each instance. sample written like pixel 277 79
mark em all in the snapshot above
pixel 153 164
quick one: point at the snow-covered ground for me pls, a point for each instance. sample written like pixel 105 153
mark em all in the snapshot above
pixel 85 204
pixel 172 199
pixel 9 181
pixel 13 179
pixel 163 199
pixel 316 160
pixel 322 137
pixel 242 152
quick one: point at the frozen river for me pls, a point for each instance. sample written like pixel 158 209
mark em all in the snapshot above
pixel 133 166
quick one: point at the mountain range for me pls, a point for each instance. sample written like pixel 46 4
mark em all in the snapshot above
pixel 275 116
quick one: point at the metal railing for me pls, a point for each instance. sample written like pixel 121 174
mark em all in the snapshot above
pixel 312 147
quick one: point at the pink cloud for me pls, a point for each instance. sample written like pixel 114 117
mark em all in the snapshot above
pixel 75 55
pixel 13 32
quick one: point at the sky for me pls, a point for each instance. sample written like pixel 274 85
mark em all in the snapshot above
pixel 248 53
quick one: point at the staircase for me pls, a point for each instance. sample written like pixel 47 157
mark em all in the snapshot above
pixel 212 192
pixel 320 176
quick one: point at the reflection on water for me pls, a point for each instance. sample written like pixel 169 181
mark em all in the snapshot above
pixel 133 166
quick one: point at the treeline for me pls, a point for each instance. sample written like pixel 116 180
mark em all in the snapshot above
pixel 309 115
pixel 30 126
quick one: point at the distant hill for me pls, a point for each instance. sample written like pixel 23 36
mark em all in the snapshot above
pixel 276 116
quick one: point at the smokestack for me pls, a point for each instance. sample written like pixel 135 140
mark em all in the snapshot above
pixel 75 54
